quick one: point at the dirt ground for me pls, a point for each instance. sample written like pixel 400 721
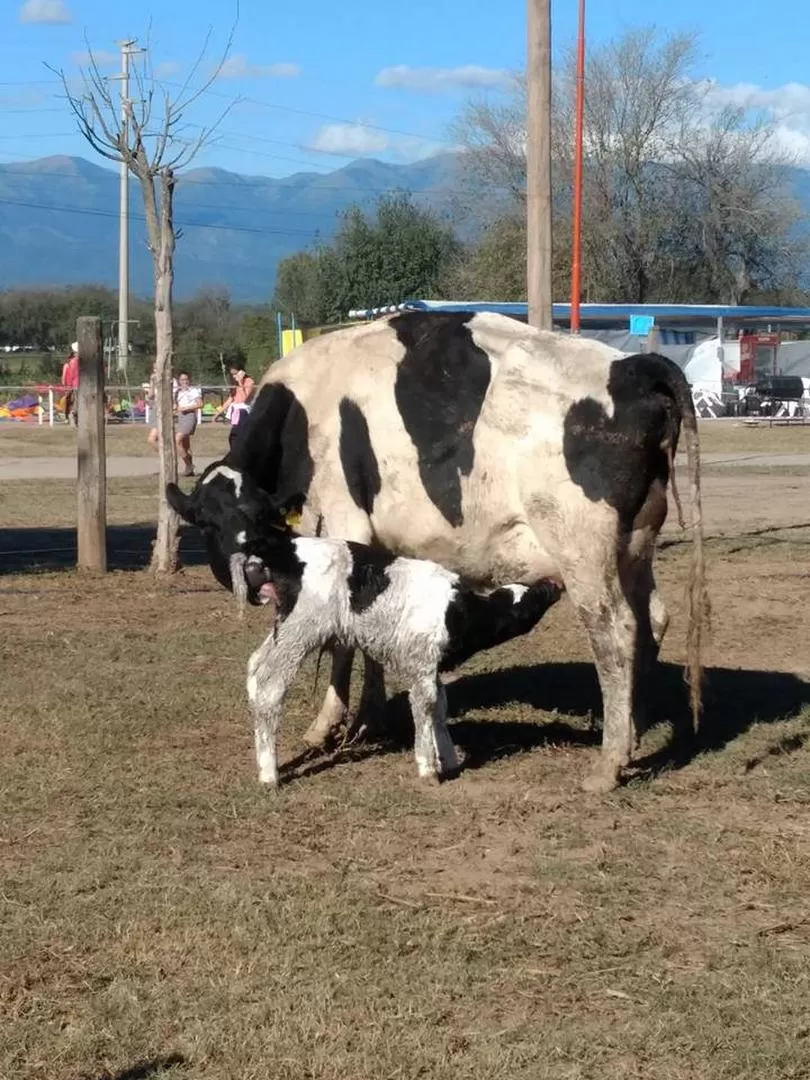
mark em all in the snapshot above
pixel 163 916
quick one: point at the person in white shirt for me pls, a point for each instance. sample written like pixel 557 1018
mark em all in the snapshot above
pixel 187 403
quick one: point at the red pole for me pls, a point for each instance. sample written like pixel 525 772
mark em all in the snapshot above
pixel 576 245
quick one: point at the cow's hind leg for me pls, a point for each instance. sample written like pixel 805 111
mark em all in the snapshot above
pixel 335 706
pixel 652 619
pixel 659 616
pixel 612 629
pixel 433 748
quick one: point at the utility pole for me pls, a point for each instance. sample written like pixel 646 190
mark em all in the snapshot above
pixel 538 165
pixel 128 49
pixel 576 246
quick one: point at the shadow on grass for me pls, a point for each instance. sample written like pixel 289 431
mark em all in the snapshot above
pixel 142 1070
pixel 734 700
pixel 129 547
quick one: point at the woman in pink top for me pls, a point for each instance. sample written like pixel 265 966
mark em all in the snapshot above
pixel 238 404
pixel 70 381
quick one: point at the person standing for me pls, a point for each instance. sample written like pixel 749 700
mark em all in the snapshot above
pixel 152 437
pixel 187 403
pixel 238 404
pixel 70 381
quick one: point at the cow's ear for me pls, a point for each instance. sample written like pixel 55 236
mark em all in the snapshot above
pixel 180 503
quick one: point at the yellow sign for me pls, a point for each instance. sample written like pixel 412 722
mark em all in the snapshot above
pixel 290 339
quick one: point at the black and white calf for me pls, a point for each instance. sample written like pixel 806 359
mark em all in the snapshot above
pixel 410 615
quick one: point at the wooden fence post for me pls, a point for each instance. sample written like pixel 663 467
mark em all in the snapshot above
pixel 92 460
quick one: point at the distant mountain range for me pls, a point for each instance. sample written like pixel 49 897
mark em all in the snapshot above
pixel 59 220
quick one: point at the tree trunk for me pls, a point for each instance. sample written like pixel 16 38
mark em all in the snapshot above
pixel 162 240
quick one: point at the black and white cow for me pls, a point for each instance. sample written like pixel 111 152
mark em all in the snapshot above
pixel 501 452
pixel 410 615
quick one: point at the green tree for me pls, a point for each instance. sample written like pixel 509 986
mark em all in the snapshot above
pixel 400 251
pixel 298 288
pixel 257 340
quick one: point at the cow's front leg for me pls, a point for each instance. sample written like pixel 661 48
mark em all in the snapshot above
pixel 371 710
pixel 335 706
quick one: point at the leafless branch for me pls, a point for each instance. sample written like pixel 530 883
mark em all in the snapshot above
pixel 183 102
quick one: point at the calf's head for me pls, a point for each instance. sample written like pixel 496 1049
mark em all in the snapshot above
pixel 236 518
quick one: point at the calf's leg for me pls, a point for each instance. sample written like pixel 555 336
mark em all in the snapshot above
pixel 433 748
pixel 271 670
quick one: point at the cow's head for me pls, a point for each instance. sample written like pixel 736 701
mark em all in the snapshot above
pixel 236 517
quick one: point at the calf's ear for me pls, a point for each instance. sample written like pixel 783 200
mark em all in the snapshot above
pixel 180 503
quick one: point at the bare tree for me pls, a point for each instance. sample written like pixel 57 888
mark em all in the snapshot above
pixel 680 202
pixel 152 138
pixel 737 231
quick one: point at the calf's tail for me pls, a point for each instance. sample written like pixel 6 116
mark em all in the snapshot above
pixel 476 622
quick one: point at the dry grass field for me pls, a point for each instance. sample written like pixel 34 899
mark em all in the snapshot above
pixel 162 916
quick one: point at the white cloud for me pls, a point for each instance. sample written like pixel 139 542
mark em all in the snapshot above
pixel 237 67
pixel 101 57
pixel 788 106
pixel 365 140
pixel 45 11
pixel 445 80
pixel 347 139
pixel 167 68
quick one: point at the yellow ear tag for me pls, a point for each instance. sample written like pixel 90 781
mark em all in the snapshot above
pixel 292 518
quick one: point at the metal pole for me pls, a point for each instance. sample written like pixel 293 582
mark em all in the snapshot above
pixel 576 254
pixel 538 165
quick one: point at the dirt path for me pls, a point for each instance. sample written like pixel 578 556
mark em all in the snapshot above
pixel 120 465
pixel 64 468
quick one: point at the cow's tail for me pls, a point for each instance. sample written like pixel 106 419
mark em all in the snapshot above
pixel 698 607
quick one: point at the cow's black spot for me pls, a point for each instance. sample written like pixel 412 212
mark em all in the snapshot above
pixel 475 622
pixel 440 388
pixel 357 456
pixel 618 458
pixel 368 577
pixel 272 446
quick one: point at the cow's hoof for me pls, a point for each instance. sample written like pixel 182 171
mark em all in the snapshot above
pixel 602 780
pixel 431 779
pixel 315 740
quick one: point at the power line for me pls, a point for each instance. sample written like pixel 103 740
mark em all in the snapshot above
pixel 88 212
pixel 263 104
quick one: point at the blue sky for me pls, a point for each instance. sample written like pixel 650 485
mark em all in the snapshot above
pixel 322 83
